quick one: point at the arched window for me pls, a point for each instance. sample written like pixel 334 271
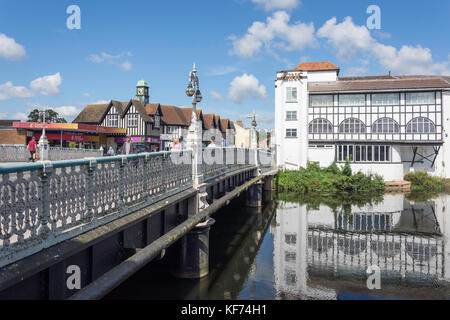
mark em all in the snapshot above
pixel 385 125
pixel 420 125
pixel 320 126
pixel 352 125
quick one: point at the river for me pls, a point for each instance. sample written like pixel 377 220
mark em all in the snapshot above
pixel 294 248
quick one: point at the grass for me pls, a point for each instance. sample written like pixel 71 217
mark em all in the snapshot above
pixel 331 180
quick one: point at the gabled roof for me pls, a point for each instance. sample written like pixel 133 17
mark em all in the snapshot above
pixel 208 121
pixel 152 108
pixel 316 66
pixel 224 124
pixel 172 115
pixel 187 111
pixel 139 108
pixel 93 114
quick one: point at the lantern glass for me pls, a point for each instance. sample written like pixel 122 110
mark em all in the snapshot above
pixel 190 90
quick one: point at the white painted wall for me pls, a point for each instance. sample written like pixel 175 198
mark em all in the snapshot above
pixel 321 76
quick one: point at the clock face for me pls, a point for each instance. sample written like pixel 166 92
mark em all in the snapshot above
pixel 140 91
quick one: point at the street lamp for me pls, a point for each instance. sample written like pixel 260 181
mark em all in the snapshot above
pixel 43 142
pixel 194 138
pixel 193 89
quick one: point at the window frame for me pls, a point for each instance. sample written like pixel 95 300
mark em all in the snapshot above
pixel 290 112
pixel 292 130
pixel 410 125
pixel 346 122
pixel 134 118
pixel 325 122
pixel 289 91
pixel 376 123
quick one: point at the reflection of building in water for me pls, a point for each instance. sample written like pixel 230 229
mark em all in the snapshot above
pixel 403 239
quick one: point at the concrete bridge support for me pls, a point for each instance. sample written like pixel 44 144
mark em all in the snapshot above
pixel 189 257
pixel 255 195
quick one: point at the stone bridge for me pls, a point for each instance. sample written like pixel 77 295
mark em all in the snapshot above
pixel 78 228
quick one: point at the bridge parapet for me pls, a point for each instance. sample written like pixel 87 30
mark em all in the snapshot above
pixel 17 153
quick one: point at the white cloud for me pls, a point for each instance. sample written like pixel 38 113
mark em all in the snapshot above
pixel 270 5
pixel 47 85
pixel 220 71
pixel 10 49
pixel 346 37
pixel 275 32
pixel 8 91
pixel 348 40
pixel 112 59
pixel 126 65
pixel 20 116
pixel 100 102
pixel 215 95
pixel 244 87
pixel 67 111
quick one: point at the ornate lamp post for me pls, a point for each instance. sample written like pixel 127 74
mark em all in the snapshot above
pixel 194 138
pixel 253 137
pixel 43 142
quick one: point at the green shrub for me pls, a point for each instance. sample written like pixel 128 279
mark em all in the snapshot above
pixel 421 181
pixel 331 180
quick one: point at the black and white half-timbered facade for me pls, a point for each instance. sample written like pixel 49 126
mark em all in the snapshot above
pixel 387 125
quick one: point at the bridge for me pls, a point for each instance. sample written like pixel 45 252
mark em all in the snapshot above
pixel 102 219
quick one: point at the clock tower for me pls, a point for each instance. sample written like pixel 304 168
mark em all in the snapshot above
pixel 142 92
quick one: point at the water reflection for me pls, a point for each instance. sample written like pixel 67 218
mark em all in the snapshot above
pixel 324 252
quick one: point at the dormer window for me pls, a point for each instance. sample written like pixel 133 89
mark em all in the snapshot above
pixel 112 120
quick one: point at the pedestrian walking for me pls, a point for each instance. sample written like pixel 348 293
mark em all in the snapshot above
pixel 31 147
pixel 128 147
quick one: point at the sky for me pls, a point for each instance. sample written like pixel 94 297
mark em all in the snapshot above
pixel 237 46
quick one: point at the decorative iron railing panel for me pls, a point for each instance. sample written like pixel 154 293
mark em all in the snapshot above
pixel 18 153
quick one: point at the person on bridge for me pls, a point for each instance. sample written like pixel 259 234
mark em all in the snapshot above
pixel 111 152
pixel 212 143
pixel 176 146
pixel 224 143
pixel 128 147
pixel 31 147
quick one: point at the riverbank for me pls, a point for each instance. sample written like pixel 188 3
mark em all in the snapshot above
pixel 330 180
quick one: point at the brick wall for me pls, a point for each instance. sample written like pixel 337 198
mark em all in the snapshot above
pixel 13 136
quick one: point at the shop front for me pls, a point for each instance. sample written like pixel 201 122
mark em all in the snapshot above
pixel 143 144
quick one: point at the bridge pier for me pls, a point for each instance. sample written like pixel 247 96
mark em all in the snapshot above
pixel 189 257
pixel 254 195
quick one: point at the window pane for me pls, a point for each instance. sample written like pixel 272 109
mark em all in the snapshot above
pixel 352 100
pixel 420 98
pixel 358 153
pixel 382 155
pixel 363 153
pixel 369 153
pixel 385 99
pixel 388 153
pixel 321 100
pixel 376 153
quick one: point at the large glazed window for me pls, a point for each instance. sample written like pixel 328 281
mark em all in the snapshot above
pixel 420 125
pixel 352 125
pixel 321 100
pixel 320 126
pixel 420 98
pixel 385 125
pixel 351 100
pixel 384 99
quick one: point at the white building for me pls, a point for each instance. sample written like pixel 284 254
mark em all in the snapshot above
pixel 387 124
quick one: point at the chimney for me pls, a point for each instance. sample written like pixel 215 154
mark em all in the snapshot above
pixel 239 123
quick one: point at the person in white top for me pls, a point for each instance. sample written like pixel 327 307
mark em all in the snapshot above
pixel 212 143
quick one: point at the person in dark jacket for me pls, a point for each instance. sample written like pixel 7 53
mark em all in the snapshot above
pixel 128 147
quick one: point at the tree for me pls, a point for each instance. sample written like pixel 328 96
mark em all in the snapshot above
pixel 52 117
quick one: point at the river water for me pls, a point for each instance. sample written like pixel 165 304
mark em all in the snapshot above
pixel 294 248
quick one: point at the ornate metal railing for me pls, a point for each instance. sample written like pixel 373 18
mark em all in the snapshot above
pixel 44 203
pixel 18 153
pixel 219 161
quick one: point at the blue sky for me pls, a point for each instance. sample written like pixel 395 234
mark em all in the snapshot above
pixel 238 45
